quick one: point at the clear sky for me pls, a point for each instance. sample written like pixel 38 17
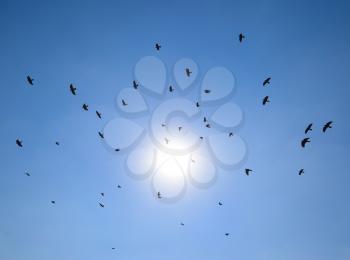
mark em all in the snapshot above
pixel 274 214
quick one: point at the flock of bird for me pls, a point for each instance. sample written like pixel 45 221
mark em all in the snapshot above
pixel 188 72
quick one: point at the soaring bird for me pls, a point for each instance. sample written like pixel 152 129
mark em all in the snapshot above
pixel 73 89
pixel 166 140
pixel 99 115
pixel 301 171
pixel 171 89
pixel 159 195
pixel 180 127
pixel 30 80
pixel 220 204
pixel 135 84
pixel 207 91
pixel 230 134
pixel 85 107
pixel 163 125
pixel 204 119
pixel 326 126
pixel 197 104
pixel 101 205
pixel 27 173
pixel 101 135
pixel 53 202
pixel 227 234
pixel 241 37
pixel 265 100
pixel 188 72
pixel 182 224
pixel 124 103
pixel 19 143
pixel 57 143
pixel 102 194
pixel 208 125
pixel 308 128
pixel 158 46
pixel 113 248
pixel 119 187
pixel 248 171
pixel 117 149
pixel 267 81
pixel 305 141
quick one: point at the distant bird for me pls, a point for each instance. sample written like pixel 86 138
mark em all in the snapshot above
pixel 73 89
pixel 135 84
pixel 267 81
pixel 201 137
pixel 197 104
pixel 220 204
pixel 171 89
pixel 117 149
pixel 207 91
pixel 326 126
pixel 101 135
pixel 208 125
pixel 101 205
pixel 301 171
pixel 113 248
pixel 204 119
pixel 166 140
pixel 57 143
pixel 265 100
pixel 119 187
pixel 241 37
pixel 230 134
pixel 188 72
pixel 180 127
pixel 53 202
pixel 192 160
pixel 163 125
pixel 19 143
pixel 227 234
pixel 159 195
pixel 182 224
pixel 158 46
pixel 305 141
pixel 102 194
pixel 27 173
pixel 248 171
pixel 124 103
pixel 85 107
pixel 30 80
pixel 308 128
pixel 99 115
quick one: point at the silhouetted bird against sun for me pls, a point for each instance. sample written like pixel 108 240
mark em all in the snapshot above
pixel 308 128
pixel 19 143
pixel 73 89
pixel 124 103
pixel 248 171
pixel 241 37
pixel 158 46
pixel 85 107
pixel 265 100
pixel 305 141
pixel 188 72
pixel 326 126
pixel 99 115
pixel 301 171
pixel 266 81
pixel 30 80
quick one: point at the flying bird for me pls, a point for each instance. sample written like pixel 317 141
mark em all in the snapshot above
pixel 301 171
pixel 159 195
pixel 197 104
pixel 230 134
pixel 27 173
pixel 57 143
pixel 53 202
pixel 220 204
pixel 163 125
pixel 101 135
pixel 135 84
pixel 188 72
pixel 113 248
pixel 124 103
pixel 180 127
pixel 19 143
pixel 326 126
pixel 166 140
pixel 241 37
pixel 101 205
pixel 99 115
pixel 182 224
pixel 305 141
pixel 171 89
pixel 208 125
pixel 30 80
pixel 204 119
pixel 207 91
pixel 119 187
pixel 73 89
pixel 117 149
pixel 265 100
pixel 308 128
pixel 267 81
pixel 158 46
pixel 201 137
pixel 85 107
pixel 248 171
pixel 102 194
pixel 227 234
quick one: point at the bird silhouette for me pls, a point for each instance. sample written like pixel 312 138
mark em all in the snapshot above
pixel 220 204
pixel 230 134
pixel 85 107
pixel 124 103
pixel 159 195
pixel 265 100
pixel 180 127
pixel 99 115
pixel 19 143
pixel 207 91
pixel 113 248
pixel 308 128
pixel 248 171
pixel 53 202
pixel 73 89
pixel 117 149
pixel 163 125
pixel 208 126
pixel 102 194
pixel 119 187
pixel 27 173
pixel 227 234
pixel 182 224
pixel 166 140
pixel 197 104
pixel 57 143
pixel 241 37
pixel 266 81
pixel 158 46
pixel 101 205
pixel 30 80
pixel 326 126
pixel 204 119
pixel 201 137
pixel 135 84
pixel 305 141
pixel 301 171
pixel 101 135
pixel 171 89
pixel 188 72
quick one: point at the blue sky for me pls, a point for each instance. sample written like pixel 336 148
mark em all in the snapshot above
pixel 272 214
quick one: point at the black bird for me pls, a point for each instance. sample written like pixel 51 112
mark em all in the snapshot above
pixel 124 103
pixel 182 224
pixel 204 119
pixel 230 134
pixel 301 171
pixel 220 204
pixel 171 89
pixel 119 187
pixel 180 127
pixel 117 150
pixel 19 143
pixel 158 46
pixel 73 89
pixel 227 234
pixel 159 195
pixel 101 205
pixel 241 37
pixel 208 125
pixel 102 194
pixel 30 80
pixel 53 202
pixel 163 125
pixel 101 135
pixel 27 173
pixel 201 137
pixel 85 107
pixel 57 143
pixel 305 141
pixel 135 84
pixel 113 248
pixel 248 171
pixel 265 100
pixel 326 126
pixel 166 140
pixel 308 128
pixel 99 115
pixel 207 91
pixel 267 81
pixel 188 72
pixel 197 104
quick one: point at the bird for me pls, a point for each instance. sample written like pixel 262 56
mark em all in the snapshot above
pixel 248 171
pixel 301 171
pixel 158 46
pixel 27 173
pixel 267 81
pixel 119 187
pixel 305 141
pixel 99 115
pixel 73 89
pixel 188 72
pixel 326 126
pixel 182 224
pixel 19 143
pixel 201 137
pixel 30 80
pixel 57 143
pixel 197 104
pixel 102 194
pixel 53 202
pixel 101 205
pixel 163 125
pixel 207 91
pixel 85 107
pixel 113 248
pixel 220 204
pixel 117 149
pixel 159 195
pixel 308 128
pixel 241 37
pixel 101 135
pixel 135 84
pixel 166 140
pixel 230 134
pixel 171 89
pixel 208 125
pixel 180 127
pixel 227 234
pixel 204 119
pixel 124 103
pixel 265 100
